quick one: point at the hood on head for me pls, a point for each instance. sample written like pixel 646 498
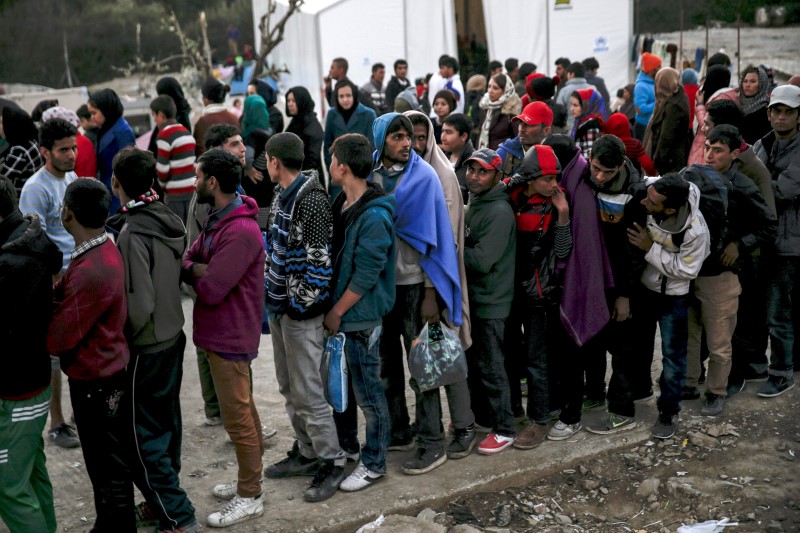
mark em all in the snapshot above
pixel 345 83
pixel 618 125
pixel 267 92
pixel 302 98
pixel 18 126
pixel 381 126
pixel 431 145
pixel 407 100
pixel 540 160
pixel 172 88
pixel 108 102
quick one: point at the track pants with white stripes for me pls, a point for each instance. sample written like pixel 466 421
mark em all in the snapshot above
pixel 26 495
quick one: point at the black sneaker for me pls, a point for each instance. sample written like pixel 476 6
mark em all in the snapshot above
pixel 690 393
pixel 713 405
pixel 325 483
pixel 294 465
pixel 753 376
pixel 665 426
pixel 611 423
pixel 424 461
pixel 775 386
pixel 64 436
pixel 735 388
pixel 462 443
pixel 401 445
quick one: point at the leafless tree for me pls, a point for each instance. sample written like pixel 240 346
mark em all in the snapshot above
pixel 272 34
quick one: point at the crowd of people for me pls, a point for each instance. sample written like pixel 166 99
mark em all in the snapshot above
pixel 544 224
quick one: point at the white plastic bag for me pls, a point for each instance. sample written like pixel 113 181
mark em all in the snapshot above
pixel 709 526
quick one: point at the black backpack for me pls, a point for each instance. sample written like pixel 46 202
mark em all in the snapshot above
pixel 713 202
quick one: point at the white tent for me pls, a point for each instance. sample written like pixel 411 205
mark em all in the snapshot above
pixel 542 31
pixel 363 31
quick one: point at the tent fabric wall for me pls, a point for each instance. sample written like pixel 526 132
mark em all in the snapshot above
pixel 541 32
pixel 364 32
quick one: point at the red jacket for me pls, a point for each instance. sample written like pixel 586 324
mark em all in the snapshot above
pixel 86 160
pixel 619 126
pixel 230 295
pixel 86 331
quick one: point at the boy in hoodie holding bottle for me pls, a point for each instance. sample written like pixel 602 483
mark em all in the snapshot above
pixel 363 292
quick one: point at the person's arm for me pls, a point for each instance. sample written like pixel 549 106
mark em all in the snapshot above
pixel 328 139
pixel 682 265
pixel 139 284
pixel 191 257
pixel 314 135
pixel 79 308
pixel 644 99
pixel 163 159
pixel 34 200
pixel 226 267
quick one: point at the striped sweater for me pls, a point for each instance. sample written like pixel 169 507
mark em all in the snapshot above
pixel 175 164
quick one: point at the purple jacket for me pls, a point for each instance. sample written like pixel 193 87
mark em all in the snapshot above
pixel 230 295
pixel 587 273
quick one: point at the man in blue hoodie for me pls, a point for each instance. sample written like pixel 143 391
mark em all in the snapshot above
pixel 644 93
pixel 426 280
pixel 363 292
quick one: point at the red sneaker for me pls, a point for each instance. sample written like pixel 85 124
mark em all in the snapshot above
pixel 494 443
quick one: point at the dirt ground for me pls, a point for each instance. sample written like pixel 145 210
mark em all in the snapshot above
pixel 747 471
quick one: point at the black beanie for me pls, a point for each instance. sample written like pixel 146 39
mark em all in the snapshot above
pixel 543 88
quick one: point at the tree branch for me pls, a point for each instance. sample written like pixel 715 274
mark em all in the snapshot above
pixel 272 36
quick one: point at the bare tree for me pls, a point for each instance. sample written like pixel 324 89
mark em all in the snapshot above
pixel 272 35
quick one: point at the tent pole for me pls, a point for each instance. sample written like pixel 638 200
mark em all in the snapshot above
pixel 405 31
pixel 547 49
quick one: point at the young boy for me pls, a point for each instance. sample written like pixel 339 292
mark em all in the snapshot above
pixel 543 237
pixel 152 240
pixel 86 332
pixel 176 154
pixel 363 292
pixel 489 259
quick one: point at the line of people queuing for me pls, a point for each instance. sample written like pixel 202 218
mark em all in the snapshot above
pixel 543 256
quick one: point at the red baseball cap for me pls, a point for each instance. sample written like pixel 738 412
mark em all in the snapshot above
pixel 488 159
pixel 536 113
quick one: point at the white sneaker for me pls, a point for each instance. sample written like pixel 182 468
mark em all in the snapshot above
pixel 226 491
pixel 237 510
pixel 361 478
pixel 562 431
pixel 268 432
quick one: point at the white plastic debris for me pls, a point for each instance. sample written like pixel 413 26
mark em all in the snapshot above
pixel 709 526
pixel 375 524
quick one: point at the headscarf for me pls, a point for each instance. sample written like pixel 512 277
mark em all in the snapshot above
pixel 689 76
pixel 592 107
pixel 629 108
pixel 107 101
pixel 718 77
pixel 18 127
pixel 169 86
pixel 760 100
pixel 214 90
pixel 346 113
pixel 265 91
pixel 493 107
pixel 61 112
pixel 668 83
pixel 255 115
pixel 305 106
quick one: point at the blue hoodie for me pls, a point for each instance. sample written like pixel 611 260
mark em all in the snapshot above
pixel 511 149
pixel 644 98
pixel 421 220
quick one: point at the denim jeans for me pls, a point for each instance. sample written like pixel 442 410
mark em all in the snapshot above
pixel 365 390
pixel 539 324
pixel 298 347
pixel 671 314
pixel 781 315
pixel 488 382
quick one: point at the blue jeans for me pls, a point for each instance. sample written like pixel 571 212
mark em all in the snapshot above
pixel 781 315
pixel 671 313
pixel 365 389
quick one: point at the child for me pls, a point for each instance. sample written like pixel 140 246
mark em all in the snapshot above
pixel 589 111
pixel 176 154
pixel 619 126
pixel 86 332
pixel 364 279
pixel 543 237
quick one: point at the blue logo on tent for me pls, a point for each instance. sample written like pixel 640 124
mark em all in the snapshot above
pixel 600 44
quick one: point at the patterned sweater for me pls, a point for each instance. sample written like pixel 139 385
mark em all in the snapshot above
pixel 175 164
pixel 299 267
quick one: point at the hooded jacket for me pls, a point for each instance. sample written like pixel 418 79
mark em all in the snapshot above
pixel 423 222
pixel 697 151
pixel 670 268
pixel 782 158
pixel 360 122
pixel 453 197
pixel 393 90
pixel 230 295
pixel 28 260
pixel 270 96
pixel 644 98
pixel 562 98
pixel 305 125
pixel 512 154
pixel 152 240
pixel 619 126
pixel 670 142
pixel 489 253
pixel 364 263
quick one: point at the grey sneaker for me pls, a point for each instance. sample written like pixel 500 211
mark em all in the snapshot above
pixel 64 436
pixel 713 405
pixel 237 510
pixel 361 478
pixel 665 426
pixel 775 386
pixel 611 423
pixel 562 431
pixel 424 461
pixel 213 421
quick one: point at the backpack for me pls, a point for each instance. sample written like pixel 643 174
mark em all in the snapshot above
pixel 713 202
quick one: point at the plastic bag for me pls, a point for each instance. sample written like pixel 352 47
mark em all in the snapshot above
pixel 437 358
pixel 334 372
pixel 709 526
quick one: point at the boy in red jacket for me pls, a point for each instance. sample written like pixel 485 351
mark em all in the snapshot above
pixel 86 332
